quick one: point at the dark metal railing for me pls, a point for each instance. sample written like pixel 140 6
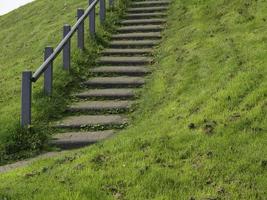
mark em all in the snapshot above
pixel 50 55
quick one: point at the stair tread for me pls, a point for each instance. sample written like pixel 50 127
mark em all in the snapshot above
pixel 147 9
pixel 100 105
pixel 140 28
pixel 90 120
pixel 122 68
pixel 71 140
pixel 114 93
pixel 144 3
pixel 142 21
pixel 155 14
pixel 141 35
pixel 124 59
pixel 134 42
pixel 117 50
pixel 116 80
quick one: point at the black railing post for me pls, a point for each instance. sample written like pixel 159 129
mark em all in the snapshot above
pixel 80 31
pixel 66 49
pixel 48 74
pixel 102 11
pixel 92 19
pixel 26 98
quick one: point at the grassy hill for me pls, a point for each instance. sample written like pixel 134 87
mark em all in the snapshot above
pixel 200 129
pixel 22 44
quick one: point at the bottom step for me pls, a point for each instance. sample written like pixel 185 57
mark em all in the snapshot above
pixel 75 140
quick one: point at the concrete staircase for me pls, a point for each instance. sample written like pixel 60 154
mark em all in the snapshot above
pixel 109 95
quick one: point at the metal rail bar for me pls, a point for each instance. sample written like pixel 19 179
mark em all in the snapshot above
pixel 61 45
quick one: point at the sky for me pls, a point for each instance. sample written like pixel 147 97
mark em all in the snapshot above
pixel 9 5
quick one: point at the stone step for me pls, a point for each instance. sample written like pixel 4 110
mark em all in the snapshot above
pixel 88 121
pixel 133 43
pixel 145 28
pixel 149 3
pixel 74 140
pixel 96 106
pixel 127 52
pixel 127 60
pixel 107 94
pixel 130 71
pixel 137 36
pixel 147 9
pixel 119 81
pixel 156 21
pixel 145 15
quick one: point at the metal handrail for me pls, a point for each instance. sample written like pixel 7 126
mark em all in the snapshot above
pixel 61 45
pixel 50 56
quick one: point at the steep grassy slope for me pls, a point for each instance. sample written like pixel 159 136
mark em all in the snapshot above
pixel 200 130
pixel 22 43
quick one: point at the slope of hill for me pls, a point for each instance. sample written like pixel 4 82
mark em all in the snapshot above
pixel 200 129
pixel 22 44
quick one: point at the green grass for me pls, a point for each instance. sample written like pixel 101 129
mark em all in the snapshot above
pixel 22 44
pixel 200 130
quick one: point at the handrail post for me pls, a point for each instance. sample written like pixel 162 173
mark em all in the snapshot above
pixel 26 98
pixel 66 49
pixel 92 19
pixel 102 11
pixel 48 74
pixel 80 31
